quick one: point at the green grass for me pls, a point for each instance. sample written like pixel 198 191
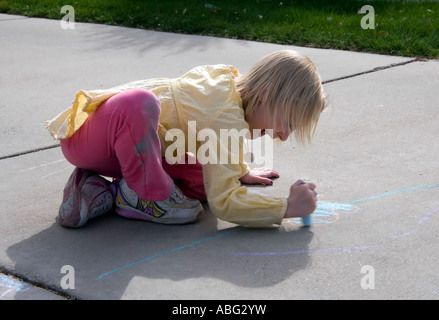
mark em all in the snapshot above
pixel 401 28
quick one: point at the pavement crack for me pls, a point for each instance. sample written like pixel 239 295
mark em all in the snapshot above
pixel 21 153
pixel 393 65
pixel 33 283
pixel 377 69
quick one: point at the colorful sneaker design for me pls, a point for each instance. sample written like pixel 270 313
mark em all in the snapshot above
pixel 86 196
pixel 177 209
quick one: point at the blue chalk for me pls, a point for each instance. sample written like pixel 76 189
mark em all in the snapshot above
pixel 306 221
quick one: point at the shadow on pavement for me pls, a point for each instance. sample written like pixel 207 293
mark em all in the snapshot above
pixel 110 251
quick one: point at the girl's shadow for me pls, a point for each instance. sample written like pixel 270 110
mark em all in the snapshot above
pixel 110 251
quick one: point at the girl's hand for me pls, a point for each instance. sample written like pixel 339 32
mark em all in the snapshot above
pixel 302 200
pixel 260 176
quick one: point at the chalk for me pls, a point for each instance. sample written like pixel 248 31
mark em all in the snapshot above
pixel 306 221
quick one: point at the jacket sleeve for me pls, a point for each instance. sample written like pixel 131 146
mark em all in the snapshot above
pixel 227 198
pixel 233 202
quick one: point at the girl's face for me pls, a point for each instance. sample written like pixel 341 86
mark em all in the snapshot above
pixel 263 120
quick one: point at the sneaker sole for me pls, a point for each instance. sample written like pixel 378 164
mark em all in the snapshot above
pixel 129 213
pixel 104 196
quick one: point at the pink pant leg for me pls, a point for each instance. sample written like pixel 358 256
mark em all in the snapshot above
pixel 120 140
pixel 188 178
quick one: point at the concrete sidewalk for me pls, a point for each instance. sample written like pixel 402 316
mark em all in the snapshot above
pixel 374 160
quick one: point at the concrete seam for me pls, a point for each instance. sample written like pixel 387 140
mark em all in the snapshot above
pixel 29 151
pixel 393 65
pixel 377 69
pixel 37 284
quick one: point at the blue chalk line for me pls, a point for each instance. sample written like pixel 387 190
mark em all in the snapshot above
pixel 393 192
pixel 239 228
pixel 11 283
pixel 166 252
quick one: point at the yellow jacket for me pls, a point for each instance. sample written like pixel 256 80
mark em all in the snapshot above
pixel 207 95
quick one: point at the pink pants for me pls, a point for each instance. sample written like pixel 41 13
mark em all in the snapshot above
pixel 120 140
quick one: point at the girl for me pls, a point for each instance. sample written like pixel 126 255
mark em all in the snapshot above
pixel 124 133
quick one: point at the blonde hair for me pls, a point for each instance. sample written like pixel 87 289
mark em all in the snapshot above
pixel 290 87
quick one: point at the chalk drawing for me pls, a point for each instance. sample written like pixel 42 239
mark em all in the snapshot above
pixel 425 218
pixel 11 284
pixel 167 251
pixel 281 253
pixel 326 212
pixel 394 192
pixel 43 165
pixel 303 251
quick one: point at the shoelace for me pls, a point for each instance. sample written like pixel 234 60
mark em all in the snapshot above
pixel 177 196
pixel 100 208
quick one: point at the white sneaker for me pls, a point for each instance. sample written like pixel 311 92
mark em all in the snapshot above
pixel 177 209
pixel 86 196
